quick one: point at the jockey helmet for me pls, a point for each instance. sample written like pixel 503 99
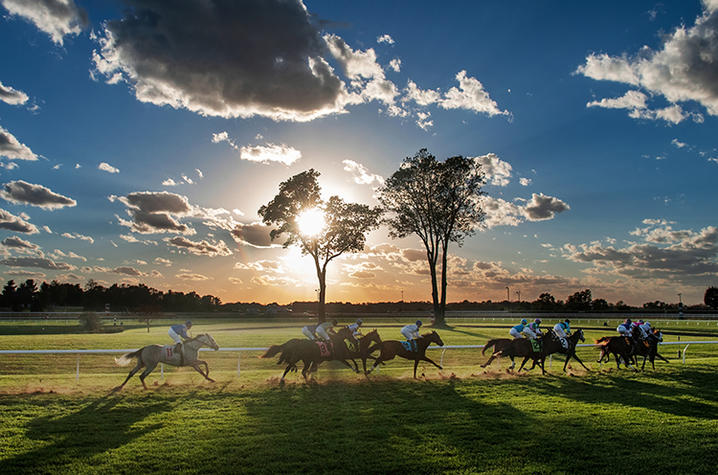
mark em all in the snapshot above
pixel 359 321
pixel 523 321
pixel 628 321
pixel 188 323
pixel 538 320
pixel 640 321
pixel 567 321
pixel 418 323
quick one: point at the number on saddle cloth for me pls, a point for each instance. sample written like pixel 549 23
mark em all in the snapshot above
pixel 536 345
pixel 324 349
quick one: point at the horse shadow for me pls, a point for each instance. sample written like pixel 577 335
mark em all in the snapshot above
pixel 98 426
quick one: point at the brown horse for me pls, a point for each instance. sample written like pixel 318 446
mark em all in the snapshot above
pixel 151 355
pixel 364 344
pixel 391 348
pixel 550 344
pixel 620 347
pixel 512 348
pixel 310 353
pixel 651 351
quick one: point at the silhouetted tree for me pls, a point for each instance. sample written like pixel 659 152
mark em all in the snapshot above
pixel 580 300
pixel 438 202
pixel 9 296
pixel 345 230
pixel 710 298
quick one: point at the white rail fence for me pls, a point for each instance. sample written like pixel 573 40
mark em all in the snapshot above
pixel 239 350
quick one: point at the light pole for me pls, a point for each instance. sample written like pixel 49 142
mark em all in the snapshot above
pixel 680 306
pixel 508 300
pixel 518 293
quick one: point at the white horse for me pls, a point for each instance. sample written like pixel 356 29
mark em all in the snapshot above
pixel 151 355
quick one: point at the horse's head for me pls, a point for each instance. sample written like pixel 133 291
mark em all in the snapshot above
pixel 579 332
pixel 434 337
pixel 344 332
pixel 372 336
pixel 658 335
pixel 207 340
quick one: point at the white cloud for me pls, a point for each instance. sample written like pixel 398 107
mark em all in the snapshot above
pixel 57 18
pixel 525 181
pixel 11 148
pixel 422 97
pixel 361 173
pixel 270 153
pixel 106 167
pixel 79 236
pixel 169 182
pixel 385 39
pixel 192 277
pixel 683 69
pixel 12 96
pixel 498 172
pixel 423 120
pixel 395 65
pixel 470 95
pixel 201 248
pixel 678 144
pixel 16 223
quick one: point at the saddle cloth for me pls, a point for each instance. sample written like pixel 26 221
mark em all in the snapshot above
pixel 409 345
pixel 325 349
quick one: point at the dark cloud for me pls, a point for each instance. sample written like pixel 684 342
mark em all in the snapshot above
pixel 201 248
pixel 152 212
pixel 15 223
pixel 542 207
pixel 256 235
pixel 17 243
pixel 40 262
pixel 22 192
pixel 54 17
pixel 128 271
pixel 222 58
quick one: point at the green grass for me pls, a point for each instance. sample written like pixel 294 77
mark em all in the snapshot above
pixel 461 420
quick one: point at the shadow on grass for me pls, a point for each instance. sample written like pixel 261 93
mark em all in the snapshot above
pixel 101 425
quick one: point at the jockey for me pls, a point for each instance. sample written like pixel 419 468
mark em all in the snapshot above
pixel 562 330
pixel 324 328
pixel 411 331
pixel 645 329
pixel 532 330
pixel 179 333
pixel 309 332
pixel 625 329
pixel 356 333
pixel 517 329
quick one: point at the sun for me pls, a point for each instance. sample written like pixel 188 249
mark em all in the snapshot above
pixel 311 222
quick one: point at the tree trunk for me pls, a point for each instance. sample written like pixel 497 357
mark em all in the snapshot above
pixel 440 318
pixel 321 277
pixel 434 287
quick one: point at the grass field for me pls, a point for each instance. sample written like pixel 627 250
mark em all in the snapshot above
pixel 460 420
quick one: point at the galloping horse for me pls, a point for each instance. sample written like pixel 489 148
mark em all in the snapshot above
pixel 310 353
pixel 364 344
pixel 150 355
pixel 512 348
pixel 550 344
pixel 619 346
pixel 391 348
pixel 651 351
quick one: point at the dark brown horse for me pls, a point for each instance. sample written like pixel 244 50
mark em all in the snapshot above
pixel 620 347
pixel 391 348
pixel 365 343
pixel 550 344
pixel 651 351
pixel 310 353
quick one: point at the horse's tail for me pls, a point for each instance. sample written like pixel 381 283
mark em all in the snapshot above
pixel 126 359
pixel 272 351
pixel 602 341
pixel 489 344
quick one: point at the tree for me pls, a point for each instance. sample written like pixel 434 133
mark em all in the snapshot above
pixel 438 202
pixel 9 295
pixel 323 229
pixel 580 300
pixel 711 297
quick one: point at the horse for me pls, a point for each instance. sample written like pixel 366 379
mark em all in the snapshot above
pixel 552 344
pixel 651 351
pixel 310 353
pixel 364 344
pixel 391 348
pixel 618 346
pixel 512 348
pixel 150 355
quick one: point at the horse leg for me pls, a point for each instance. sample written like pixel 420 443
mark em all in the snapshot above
pixel 426 358
pixel 198 368
pixel 132 372
pixel 286 370
pixel 579 360
pixel 146 372
pixel 513 363
pixel 526 358
pixel 416 363
pixel 492 358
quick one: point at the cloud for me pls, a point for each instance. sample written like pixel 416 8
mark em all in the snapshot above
pixel 235 280
pixel 22 192
pixel 169 182
pixel 9 165
pixel 192 277
pixel 155 212
pixel 79 236
pixel 395 65
pixel 470 95
pixel 525 181
pixel 366 76
pixel 39 262
pixel 385 39
pixel 128 271
pixel 57 18
pixel 665 255
pixel 11 148
pixel 498 172
pixel 270 153
pixel 12 96
pixel 422 97
pixel 684 68
pixel 201 248
pixel 163 261
pixel 106 167
pixel 678 144
pixel 542 207
pixel 423 120
pixel 26 274
pixel 18 243
pixel 255 235
pixel 186 56
pixel 361 174
pixel 16 223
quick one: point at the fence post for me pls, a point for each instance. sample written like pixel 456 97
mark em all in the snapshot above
pixel 684 353
pixel 441 362
pixel 77 370
pixel 238 360
pixel 162 370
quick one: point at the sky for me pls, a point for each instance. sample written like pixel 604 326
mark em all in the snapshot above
pixel 138 139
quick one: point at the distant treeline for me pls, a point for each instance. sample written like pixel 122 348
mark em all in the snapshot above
pixel 143 299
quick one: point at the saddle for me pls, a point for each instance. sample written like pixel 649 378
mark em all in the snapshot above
pixel 410 345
